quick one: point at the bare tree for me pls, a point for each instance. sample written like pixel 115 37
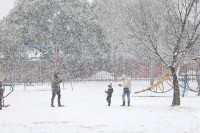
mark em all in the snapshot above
pixel 169 30
pixel 113 17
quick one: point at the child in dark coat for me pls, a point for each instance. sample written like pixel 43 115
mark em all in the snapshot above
pixel 109 93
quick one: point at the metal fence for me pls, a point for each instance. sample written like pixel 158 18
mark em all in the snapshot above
pixel 112 71
pixel 37 71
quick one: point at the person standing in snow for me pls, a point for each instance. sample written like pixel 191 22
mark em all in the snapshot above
pixel 126 84
pixel 55 86
pixel 109 93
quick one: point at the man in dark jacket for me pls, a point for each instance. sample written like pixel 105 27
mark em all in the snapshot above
pixel 55 86
pixel 109 93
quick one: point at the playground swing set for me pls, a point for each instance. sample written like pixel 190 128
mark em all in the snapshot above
pixel 186 79
pixel 158 87
pixel 58 66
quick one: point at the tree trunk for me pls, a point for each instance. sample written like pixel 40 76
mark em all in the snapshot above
pixel 176 95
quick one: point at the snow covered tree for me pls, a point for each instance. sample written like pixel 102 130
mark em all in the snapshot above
pixel 169 29
pixel 8 40
pixel 80 25
pixel 69 23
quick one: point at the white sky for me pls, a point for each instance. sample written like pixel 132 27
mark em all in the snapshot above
pixel 5 7
pixel 90 1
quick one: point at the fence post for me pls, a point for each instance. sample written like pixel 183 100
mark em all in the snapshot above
pixel 152 72
pixel 1 95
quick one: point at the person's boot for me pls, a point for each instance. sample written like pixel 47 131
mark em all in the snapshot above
pixel 128 103
pixel 123 104
pixel 109 104
pixel 59 105
pixel 52 103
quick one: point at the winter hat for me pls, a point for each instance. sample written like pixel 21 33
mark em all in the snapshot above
pixel 123 76
pixel 55 74
pixel 110 85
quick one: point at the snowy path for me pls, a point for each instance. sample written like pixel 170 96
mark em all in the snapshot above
pixel 86 111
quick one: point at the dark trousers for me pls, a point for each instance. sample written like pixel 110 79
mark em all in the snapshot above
pixel 109 99
pixel 53 96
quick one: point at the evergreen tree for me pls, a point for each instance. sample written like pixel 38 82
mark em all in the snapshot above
pixel 69 23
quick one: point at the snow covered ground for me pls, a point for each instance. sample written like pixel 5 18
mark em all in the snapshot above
pixel 86 111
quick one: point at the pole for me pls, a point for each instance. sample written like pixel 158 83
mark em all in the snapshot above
pixel 152 72
pixel 56 58
pixel 185 85
pixel 68 75
pixel 15 67
pixel 3 98
pixel 61 67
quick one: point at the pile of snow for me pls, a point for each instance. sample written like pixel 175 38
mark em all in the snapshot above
pixel 102 75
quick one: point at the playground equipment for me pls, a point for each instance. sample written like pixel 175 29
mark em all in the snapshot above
pixel 2 90
pixel 186 76
pixel 59 54
pixel 186 86
pixel 158 87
